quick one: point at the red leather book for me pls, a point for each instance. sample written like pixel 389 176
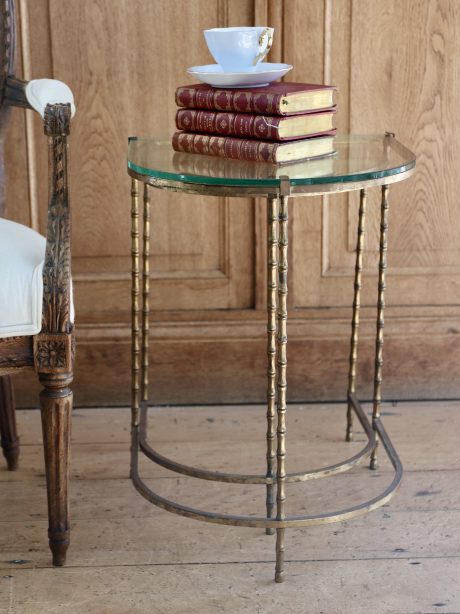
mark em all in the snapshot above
pixel 251 149
pixel 248 125
pixel 278 98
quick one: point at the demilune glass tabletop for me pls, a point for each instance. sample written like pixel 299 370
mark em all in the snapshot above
pixel 357 158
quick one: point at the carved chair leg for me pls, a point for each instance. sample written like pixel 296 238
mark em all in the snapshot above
pixel 54 346
pixel 9 435
pixel 56 409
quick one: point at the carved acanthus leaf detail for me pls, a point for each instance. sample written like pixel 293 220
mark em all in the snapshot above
pixel 56 270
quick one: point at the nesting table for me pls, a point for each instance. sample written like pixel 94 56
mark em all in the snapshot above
pixel 361 162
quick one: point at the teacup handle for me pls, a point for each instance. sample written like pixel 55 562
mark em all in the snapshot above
pixel 265 43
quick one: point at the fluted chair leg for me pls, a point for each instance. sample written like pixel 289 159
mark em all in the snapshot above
pixel 8 431
pixel 56 409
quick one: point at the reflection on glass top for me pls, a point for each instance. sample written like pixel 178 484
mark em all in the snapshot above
pixel 357 158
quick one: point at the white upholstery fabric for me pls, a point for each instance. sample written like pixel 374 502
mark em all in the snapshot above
pixel 40 92
pixel 22 252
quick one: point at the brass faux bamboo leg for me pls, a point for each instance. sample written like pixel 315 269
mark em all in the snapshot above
pixel 356 307
pixel 272 288
pixel 380 316
pixel 135 331
pixel 282 383
pixel 145 296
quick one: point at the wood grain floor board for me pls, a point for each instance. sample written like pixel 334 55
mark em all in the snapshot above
pixel 128 556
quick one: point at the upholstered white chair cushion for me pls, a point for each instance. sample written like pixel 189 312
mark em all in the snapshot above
pixel 22 252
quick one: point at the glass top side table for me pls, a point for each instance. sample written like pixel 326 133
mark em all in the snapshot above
pixel 360 162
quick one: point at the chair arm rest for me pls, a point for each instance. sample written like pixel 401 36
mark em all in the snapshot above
pixel 42 92
pixel 54 101
pixel 38 93
pixel 15 94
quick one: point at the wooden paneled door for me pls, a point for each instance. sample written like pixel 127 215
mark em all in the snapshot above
pixel 397 67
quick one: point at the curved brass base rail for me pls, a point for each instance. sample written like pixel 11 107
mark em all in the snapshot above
pixel 263 522
pixel 237 478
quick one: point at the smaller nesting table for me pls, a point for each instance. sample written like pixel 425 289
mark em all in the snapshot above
pixel 360 163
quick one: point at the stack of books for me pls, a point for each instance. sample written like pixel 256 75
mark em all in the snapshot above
pixel 278 123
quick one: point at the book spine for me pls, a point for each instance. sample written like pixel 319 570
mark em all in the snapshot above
pixel 228 124
pixel 218 167
pixel 237 101
pixel 226 147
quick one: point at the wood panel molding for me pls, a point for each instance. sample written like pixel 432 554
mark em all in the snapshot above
pixel 208 266
pixel 422 351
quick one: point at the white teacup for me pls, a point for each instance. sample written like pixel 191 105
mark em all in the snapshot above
pixel 239 49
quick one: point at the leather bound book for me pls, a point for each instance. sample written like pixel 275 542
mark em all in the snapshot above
pixel 278 98
pixel 251 149
pixel 248 125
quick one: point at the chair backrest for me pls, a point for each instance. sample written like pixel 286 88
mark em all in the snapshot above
pixel 7 44
pixel 7 68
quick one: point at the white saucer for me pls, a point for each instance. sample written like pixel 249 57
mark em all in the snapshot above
pixel 214 75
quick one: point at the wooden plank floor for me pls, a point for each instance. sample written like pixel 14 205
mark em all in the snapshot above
pixel 128 556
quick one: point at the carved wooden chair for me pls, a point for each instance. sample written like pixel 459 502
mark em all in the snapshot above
pixel 36 312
